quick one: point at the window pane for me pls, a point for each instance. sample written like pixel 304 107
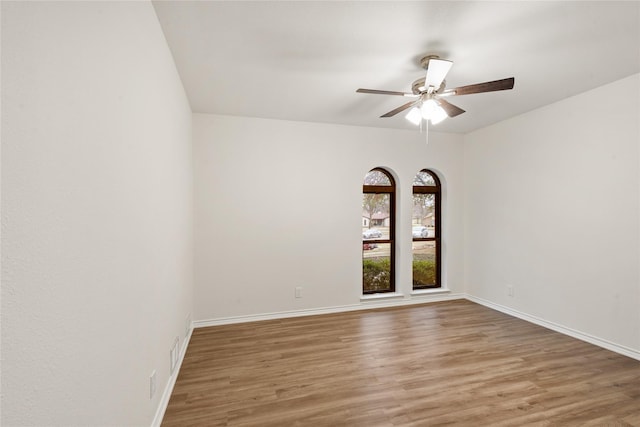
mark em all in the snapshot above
pixel 424 211
pixel 376 217
pixel 424 265
pixel 424 178
pixel 376 267
pixel 375 177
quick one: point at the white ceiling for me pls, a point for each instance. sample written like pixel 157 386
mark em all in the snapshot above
pixel 304 60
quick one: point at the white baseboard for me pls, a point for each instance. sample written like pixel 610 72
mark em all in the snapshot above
pixel 625 351
pixel 364 305
pixel 166 395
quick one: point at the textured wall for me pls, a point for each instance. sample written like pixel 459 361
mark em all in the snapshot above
pixel 96 212
pixel 279 205
pixel 551 209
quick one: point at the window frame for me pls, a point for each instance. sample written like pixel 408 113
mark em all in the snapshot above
pixel 391 191
pixel 436 190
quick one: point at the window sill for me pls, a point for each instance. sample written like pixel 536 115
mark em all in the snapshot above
pixel 381 296
pixel 436 291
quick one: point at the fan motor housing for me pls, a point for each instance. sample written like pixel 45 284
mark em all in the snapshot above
pixel 419 88
pixel 424 62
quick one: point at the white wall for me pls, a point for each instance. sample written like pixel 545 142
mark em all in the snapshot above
pixel 551 208
pixel 96 212
pixel 279 205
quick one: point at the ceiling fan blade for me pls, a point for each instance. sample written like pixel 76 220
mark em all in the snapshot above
pixel 400 109
pixel 436 72
pixel 449 108
pixel 493 86
pixel 386 92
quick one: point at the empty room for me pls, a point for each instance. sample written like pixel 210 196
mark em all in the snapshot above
pixel 320 213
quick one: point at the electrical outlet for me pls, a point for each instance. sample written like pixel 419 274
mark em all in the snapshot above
pixel 299 292
pixel 510 290
pixel 173 354
pixel 152 384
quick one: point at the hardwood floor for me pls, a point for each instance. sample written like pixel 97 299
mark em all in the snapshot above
pixel 448 363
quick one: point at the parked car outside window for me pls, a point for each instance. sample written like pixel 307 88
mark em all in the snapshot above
pixel 372 233
pixel 420 231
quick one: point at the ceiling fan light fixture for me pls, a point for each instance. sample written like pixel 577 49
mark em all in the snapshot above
pixel 429 110
pixel 438 115
pixel 414 116
pixel 433 112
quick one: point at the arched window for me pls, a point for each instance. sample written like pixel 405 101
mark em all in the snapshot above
pixel 378 232
pixel 425 228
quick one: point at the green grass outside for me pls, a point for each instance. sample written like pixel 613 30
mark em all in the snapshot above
pixel 376 274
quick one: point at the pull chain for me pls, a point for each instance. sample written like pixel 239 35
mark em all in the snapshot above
pixel 427 132
pixel 424 126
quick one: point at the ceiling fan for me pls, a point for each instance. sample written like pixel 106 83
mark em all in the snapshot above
pixel 430 90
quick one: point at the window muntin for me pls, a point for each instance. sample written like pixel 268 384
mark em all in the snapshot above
pixel 426 246
pixel 378 232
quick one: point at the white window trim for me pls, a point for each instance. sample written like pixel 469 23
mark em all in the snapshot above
pixel 434 291
pixel 381 296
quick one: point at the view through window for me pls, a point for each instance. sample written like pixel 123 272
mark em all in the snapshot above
pixel 378 231
pixel 425 229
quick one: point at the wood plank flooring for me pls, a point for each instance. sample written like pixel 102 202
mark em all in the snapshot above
pixel 448 363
